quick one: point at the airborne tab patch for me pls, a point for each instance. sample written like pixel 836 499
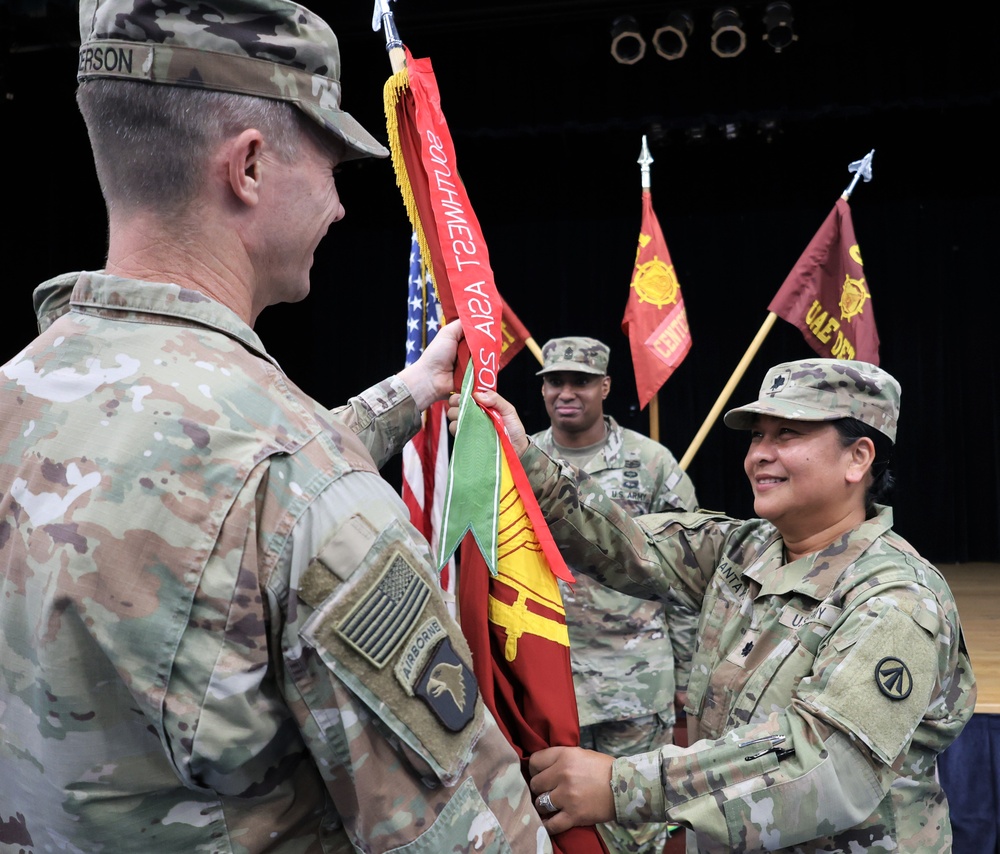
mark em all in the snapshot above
pixel 382 618
pixel 448 687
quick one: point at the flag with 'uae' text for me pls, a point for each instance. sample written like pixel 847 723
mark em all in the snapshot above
pixel 826 295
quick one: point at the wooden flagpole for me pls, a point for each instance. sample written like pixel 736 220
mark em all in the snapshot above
pixel 861 169
pixel 645 161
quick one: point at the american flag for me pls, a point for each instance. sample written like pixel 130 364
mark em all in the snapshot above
pixel 425 456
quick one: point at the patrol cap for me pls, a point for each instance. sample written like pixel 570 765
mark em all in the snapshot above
pixel 583 355
pixel 268 48
pixel 824 390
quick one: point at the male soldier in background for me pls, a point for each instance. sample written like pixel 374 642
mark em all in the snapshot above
pixel 630 656
pixel 220 632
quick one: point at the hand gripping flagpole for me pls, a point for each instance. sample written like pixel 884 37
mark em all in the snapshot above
pixel 645 161
pixel 861 169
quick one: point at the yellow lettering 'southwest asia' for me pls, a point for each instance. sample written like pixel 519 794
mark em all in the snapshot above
pixel 479 304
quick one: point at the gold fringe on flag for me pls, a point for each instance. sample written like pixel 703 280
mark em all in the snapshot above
pixel 392 92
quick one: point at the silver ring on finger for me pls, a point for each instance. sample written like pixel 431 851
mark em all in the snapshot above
pixel 544 802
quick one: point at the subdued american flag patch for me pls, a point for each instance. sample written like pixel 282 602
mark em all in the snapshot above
pixel 385 616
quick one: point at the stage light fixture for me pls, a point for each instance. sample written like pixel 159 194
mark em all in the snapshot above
pixel 731 130
pixel 728 37
pixel 670 40
pixel 627 44
pixel 695 134
pixel 769 129
pixel 778 25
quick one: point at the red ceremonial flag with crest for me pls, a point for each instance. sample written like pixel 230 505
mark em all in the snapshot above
pixel 655 320
pixel 515 335
pixel 826 294
pixel 517 610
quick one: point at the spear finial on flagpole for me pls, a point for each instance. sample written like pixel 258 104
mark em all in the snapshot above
pixel 862 169
pixel 382 19
pixel 644 161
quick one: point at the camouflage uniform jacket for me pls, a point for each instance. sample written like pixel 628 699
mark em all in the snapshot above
pixel 824 688
pixel 627 651
pixel 220 632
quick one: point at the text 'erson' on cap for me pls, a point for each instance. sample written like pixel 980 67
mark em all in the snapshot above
pixel 583 355
pixel 266 48
pixel 825 390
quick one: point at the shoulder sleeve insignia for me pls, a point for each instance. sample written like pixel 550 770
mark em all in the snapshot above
pixel 893 678
pixel 448 687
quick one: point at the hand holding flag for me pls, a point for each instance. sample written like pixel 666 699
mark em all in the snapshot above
pixel 455 252
pixel 425 456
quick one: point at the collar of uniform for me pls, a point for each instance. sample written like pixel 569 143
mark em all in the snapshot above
pixel 95 292
pixel 613 440
pixel 817 574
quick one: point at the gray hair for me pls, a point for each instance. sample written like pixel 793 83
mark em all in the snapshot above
pixel 151 143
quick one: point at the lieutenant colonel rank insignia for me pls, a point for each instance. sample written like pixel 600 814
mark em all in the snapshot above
pixel 448 687
pixel 893 678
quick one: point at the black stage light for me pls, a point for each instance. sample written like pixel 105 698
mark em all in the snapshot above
pixel 670 40
pixel 627 44
pixel 778 25
pixel 728 37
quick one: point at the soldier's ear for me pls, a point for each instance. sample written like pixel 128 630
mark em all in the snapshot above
pixel 862 455
pixel 243 153
pixel 605 387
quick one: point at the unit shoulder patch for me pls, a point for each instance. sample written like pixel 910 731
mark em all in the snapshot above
pixel 448 687
pixel 893 678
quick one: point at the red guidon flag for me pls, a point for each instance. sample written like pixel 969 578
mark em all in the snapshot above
pixel 514 334
pixel 655 320
pixel 516 616
pixel 826 295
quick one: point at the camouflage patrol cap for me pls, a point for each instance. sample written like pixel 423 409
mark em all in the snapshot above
pixel 267 48
pixel 825 390
pixel 583 355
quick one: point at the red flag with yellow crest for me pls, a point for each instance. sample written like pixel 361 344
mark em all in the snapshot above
pixel 655 319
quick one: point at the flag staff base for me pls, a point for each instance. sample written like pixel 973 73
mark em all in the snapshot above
pixel 728 390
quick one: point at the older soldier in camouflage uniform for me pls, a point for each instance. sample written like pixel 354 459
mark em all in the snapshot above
pixel 219 631
pixel 625 651
pixel 830 669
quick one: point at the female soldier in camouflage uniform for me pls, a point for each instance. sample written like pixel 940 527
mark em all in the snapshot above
pixel 831 668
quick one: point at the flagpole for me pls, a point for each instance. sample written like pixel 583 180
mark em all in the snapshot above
pixel 861 169
pixel 644 161
pixel 382 19
pixel 728 390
